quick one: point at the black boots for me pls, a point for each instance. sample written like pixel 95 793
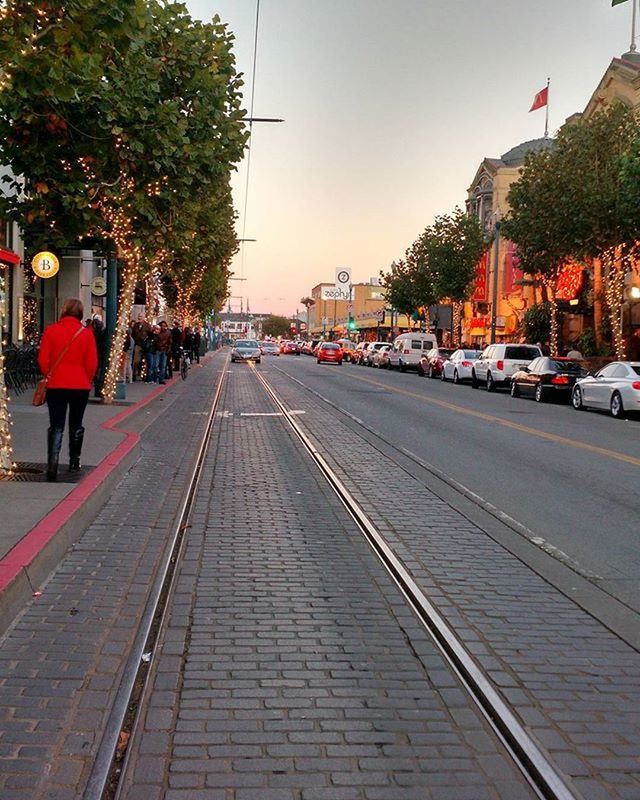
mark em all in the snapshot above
pixel 75 448
pixel 54 443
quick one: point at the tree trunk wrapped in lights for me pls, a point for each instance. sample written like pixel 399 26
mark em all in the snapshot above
pixel 613 276
pixel 6 448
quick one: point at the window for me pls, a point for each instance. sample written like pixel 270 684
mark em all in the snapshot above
pixel 416 344
pixel 521 352
pixel 538 365
pixel 608 372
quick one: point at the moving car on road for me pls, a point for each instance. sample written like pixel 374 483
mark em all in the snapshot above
pixel 289 348
pixel 329 353
pixel 431 363
pixel 348 348
pixel 498 362
pixel 546 378
pixel 615 387
pixel 459 366
pixel 270 348
pixel 246 350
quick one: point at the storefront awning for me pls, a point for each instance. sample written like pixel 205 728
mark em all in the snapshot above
pixel 9 257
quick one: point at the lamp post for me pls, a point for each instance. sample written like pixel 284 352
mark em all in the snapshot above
pixel 494 287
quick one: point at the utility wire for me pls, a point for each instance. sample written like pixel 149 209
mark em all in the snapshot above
pixel 253 95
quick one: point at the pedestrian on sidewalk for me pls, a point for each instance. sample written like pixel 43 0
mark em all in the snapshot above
pixel 69 357
pixel 151 354
pixel 196 344
pixel 164 350
pixel 176 343
pixel 141 331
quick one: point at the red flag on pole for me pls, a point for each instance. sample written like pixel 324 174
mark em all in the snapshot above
pixel 541 99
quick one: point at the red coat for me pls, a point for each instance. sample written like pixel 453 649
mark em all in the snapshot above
pixel 79 364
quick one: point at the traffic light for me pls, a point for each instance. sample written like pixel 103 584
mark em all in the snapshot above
pixel 351 324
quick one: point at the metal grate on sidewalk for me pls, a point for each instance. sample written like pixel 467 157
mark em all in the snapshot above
pixel 33 472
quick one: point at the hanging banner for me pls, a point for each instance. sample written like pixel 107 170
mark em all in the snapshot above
pixel 570 281
pixel 512 271
pixel 45 265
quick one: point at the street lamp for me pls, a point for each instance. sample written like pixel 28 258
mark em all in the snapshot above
pixel 496 258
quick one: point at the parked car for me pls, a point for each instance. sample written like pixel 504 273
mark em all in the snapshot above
pixel 459 366
pixel 408 349
pixel 329 353
pixel 545 378
pixel 310 346
pixel 371 351
pixel 348 348
pixel 246 350
pixel 498 362
pixel 270 348
pixel 381 357
pixel 358 353
pixel 615 387
pixel 431 363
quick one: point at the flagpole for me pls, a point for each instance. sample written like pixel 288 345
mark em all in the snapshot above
pixel 546 116
pixel 633 25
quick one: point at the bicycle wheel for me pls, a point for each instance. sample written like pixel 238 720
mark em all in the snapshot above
pixel 184 368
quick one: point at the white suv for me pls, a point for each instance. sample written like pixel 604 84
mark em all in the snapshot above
pixel 498 362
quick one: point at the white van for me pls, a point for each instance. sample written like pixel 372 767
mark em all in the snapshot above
pixel 409 348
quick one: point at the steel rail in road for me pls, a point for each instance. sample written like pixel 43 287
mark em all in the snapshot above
pixel 104 776
pixel 533 763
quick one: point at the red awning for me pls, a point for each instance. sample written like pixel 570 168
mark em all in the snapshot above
pixel 9 257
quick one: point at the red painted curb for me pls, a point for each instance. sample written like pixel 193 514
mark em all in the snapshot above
pixel 23 553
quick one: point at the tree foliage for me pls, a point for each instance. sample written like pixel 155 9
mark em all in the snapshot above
pixel 275 325
pixel 454 245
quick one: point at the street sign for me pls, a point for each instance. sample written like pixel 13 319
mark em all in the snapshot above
pixel 335 292
pixel 343 276
pixel 98 286
pixel 45 265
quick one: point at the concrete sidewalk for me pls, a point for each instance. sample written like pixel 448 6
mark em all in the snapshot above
pixel 41 520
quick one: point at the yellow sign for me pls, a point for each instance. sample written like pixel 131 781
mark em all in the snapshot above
pixel 45 265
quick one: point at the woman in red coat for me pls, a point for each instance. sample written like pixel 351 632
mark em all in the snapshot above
pixel 69 382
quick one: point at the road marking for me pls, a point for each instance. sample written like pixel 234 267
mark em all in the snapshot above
pixel 551 437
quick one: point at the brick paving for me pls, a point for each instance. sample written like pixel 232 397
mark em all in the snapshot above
pixel 290 667
pixel 61 662
pixel 574 684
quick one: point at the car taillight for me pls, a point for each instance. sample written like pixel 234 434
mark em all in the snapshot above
pixel 636 385
pixel 406 352
pixel 467 364
pixel 560 380
pixel 500 365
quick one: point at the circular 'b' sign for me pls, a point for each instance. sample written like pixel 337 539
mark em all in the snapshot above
pixel 45 265
pixel 343 276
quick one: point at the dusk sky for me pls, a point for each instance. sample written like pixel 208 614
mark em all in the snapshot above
pixel 389 109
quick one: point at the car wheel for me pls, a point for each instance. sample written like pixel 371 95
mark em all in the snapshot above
pixel 539 395
pixel 402 366
pixel 576 399
pixel 491 387
pixel 339 363
pixel 474 380
pixel 318 361
pixel 515 392
pixel 258 361
pixel 456 377
pixel 430 373
pixel 443 377
pixel 616 407
pixel 421 370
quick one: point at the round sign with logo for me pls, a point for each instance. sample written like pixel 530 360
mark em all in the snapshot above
pixel 45 264
pixel 98 286
pixel 343 277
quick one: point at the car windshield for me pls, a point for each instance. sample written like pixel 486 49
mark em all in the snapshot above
pixel 246 343
pixel 566 366
pixel 330 346
pixel 471 353
pixel 445 352
pixel 523 353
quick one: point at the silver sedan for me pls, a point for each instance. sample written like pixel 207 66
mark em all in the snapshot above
pixel 459 366
pixel 615 387
pixel 246 350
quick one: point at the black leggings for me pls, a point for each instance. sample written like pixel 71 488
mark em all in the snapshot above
pixel 59 399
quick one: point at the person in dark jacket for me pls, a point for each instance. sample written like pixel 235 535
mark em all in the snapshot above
pixel 164 350
pixel 196 344
pixel 176 344
pixel 70 376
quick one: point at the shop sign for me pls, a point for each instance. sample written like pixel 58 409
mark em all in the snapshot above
pixel 45 264
pixel 570 281
pixel 98 286
pixel 481 279
pixel 512 271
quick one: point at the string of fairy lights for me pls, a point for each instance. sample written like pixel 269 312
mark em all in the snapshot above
pixel 615 267
pixel 6 447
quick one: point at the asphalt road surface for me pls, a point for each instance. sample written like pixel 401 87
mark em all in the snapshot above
pixel 569 478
